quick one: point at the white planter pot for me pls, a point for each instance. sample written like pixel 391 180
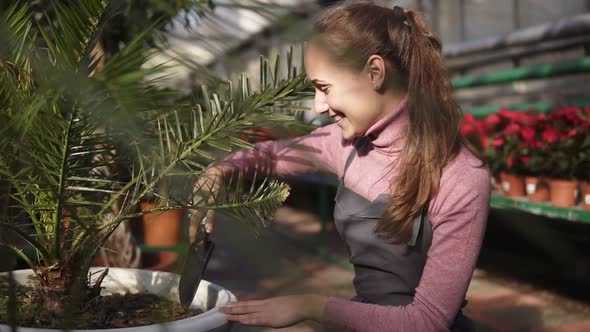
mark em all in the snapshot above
pixel 209 296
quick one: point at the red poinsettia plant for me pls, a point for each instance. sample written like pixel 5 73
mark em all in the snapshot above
pixel 556 144
pixel 478 134
pixel 567 135
pixel 474 131
pixel 511 141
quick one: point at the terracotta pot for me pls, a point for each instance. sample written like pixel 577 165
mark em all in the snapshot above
pixel 160 229
pixel 537 189
pixel 512 185
pixel 563 193
pixel 585 192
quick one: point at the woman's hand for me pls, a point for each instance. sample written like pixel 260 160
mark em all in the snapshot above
pixel 277 312
pixel 206 189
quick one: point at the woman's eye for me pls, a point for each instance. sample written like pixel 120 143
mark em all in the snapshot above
pixel 325 89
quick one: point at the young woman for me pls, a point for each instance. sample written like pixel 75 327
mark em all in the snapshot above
pixel 412 202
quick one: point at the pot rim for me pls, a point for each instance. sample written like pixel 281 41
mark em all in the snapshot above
pixel 211 317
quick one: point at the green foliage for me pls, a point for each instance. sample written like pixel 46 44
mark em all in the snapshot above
pixel 126 18
pixel 79 150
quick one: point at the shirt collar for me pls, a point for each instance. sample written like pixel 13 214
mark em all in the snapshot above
pixel 388 134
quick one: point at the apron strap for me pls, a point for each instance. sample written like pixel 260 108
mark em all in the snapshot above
pixel 358 144
pixel 418 221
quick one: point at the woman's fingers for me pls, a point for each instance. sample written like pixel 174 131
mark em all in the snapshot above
pixel 205 192
pixel 246 312
pixel 248 319
pixel 242 307
pixel 275 312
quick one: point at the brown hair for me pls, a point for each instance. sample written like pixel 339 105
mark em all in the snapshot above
pixel 354 31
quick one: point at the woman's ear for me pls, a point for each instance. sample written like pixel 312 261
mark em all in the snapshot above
pixel 376 71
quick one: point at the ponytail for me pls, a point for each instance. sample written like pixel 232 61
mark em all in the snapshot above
pixel 434 118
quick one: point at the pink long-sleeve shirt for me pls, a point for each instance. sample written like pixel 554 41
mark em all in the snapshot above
pixel 458 214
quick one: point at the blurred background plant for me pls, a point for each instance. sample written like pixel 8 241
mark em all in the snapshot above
pixel 551 147
pixel 86 135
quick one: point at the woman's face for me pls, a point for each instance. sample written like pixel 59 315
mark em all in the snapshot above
pixel 349 96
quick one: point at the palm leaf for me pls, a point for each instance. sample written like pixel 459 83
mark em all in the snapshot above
pixel 17 32
pixel 72 35
pixel 65 127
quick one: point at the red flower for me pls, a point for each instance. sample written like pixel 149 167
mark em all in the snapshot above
pixel 525 159
pixel 468 129
pixel 527 133
pixel 492 120
pixel 468 118
pixel 528 118
pixel 511 115
pixel 498 142
pixel 551 135
pixel 511 129
pixel 540 144
pixel 571 133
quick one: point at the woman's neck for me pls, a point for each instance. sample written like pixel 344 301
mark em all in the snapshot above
pixel 390 101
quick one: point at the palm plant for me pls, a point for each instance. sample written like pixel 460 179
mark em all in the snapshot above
pixel 78 151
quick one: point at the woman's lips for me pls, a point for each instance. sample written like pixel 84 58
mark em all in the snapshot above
pixel 338 116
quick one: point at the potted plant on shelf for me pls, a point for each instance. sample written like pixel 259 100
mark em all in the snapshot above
pixel 534 155
pixel 506 150
pixel 564 134
pixel 78 152
pixel 477 133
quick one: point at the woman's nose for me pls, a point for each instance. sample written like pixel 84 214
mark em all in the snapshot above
pixel 320 104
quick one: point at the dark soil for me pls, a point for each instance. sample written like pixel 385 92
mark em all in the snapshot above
pixel 112 311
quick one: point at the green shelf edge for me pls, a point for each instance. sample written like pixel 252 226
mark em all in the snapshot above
pixel 542 107
pixel 575 66
pixel 541 209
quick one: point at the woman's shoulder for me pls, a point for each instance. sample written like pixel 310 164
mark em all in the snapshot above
pixel 465 180
pixel 465 166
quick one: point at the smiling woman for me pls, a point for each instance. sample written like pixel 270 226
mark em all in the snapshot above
pixel 412 202
pixel 354 99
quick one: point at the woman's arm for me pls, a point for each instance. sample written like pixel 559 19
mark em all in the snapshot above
pixel 311 153
pixel 458 215
pixel 316 151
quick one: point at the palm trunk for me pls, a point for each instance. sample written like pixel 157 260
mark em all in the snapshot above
pixel 64 287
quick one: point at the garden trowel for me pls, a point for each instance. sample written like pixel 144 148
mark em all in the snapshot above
pixel 196 261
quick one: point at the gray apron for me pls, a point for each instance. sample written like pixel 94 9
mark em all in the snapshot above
pixel 386 272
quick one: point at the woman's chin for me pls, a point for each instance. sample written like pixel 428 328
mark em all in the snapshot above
pixel 347 131
pixel 348 134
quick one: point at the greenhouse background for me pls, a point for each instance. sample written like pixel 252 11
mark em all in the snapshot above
pixel 505 57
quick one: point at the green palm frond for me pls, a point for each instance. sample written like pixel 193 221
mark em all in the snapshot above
pixel 254 206
pixel 18 33
pixel 56 152
pixel 72 35
pixel 218 123
pixel 68 136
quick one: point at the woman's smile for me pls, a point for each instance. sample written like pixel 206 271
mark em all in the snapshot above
pixel 338 116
